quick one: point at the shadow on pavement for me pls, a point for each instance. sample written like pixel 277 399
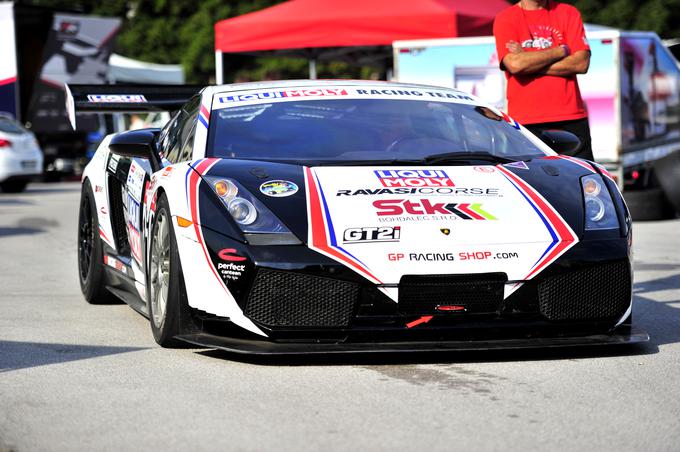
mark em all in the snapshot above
pixel 23 355
pixel 659 317
pixel 8 231
pixel 52 188
pixel 14 202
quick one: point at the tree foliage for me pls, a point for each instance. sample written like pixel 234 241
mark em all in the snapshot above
pixel 660 16
pixel 181 31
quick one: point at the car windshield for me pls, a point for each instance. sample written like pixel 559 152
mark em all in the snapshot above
pixel 363 130
pixel 8 125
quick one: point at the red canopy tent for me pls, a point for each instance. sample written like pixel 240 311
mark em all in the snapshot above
pixel 326 29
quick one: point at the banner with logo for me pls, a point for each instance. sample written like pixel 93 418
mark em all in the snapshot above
pixel 77 51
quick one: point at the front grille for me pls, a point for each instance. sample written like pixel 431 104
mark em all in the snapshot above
pixel 600 292
pixel 118 217
pixel 287 299
pixel 475 293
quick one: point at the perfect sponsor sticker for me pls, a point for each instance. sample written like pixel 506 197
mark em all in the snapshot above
pixel 278 188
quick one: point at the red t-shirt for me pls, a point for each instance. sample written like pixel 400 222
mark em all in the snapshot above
pixel 538 98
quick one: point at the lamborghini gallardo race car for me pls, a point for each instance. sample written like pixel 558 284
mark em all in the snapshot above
pixel 350 216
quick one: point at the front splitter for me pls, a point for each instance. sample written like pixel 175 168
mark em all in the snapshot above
pixel 256 347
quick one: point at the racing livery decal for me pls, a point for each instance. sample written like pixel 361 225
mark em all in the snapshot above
pixel 563 236
pixel 458 220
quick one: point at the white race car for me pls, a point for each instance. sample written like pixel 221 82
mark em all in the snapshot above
pixel 350 216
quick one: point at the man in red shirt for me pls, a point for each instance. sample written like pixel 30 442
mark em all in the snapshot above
pixel 541 47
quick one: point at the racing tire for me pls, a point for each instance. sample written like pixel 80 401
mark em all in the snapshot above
pixel 14 186
pixel 90 252
pixel 165 291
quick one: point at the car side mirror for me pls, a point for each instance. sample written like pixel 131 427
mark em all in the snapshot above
pixel 561 141
pixel 136 143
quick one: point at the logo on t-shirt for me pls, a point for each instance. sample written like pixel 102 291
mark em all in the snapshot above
pixel 542 37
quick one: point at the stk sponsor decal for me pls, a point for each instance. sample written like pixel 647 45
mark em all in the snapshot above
pixel 414 178
pixel 372 234
pixel 424 209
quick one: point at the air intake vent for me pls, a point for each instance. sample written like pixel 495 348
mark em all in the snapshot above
pixel 287 299
pixel 118 217
pixel 476 293
pixel 601 292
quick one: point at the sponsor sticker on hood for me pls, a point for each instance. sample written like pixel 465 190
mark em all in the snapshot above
pixel 278 188
pixel 387 222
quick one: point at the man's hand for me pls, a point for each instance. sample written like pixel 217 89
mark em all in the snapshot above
pixel 519 62
pixel 577 63
pixel 514 47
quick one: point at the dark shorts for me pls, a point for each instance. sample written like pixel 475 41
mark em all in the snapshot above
pixel 578 127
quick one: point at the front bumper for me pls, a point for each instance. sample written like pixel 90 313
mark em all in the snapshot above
pixel 621 336
pixel 307 303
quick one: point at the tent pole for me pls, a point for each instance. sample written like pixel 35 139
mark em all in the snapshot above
pixel 219 74
pixel 312 69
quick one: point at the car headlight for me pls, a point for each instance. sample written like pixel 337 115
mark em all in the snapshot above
pixel 600 212
pixel 259 225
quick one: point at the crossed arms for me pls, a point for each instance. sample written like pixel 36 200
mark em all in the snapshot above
pixel 553 61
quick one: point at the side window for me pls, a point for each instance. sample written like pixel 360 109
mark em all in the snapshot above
pixel 169 140
pixel 189 130
pixel 180 131
pixel 188 147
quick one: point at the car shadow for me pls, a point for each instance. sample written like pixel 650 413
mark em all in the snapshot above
pixel 23 355
pixel 661 319
pixel 60 188
pixel 10 231
pixel 14 202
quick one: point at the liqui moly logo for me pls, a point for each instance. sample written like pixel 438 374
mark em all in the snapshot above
pixel 310 92
pixel 414 178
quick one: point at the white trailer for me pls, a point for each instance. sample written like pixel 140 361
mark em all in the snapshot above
pixel 632 93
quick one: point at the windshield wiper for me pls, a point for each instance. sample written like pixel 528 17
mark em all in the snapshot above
pixel 466 157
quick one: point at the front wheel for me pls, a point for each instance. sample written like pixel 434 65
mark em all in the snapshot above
pixel 90 252
pixel 166 295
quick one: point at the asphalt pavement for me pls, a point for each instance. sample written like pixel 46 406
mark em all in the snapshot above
pixel 78 377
